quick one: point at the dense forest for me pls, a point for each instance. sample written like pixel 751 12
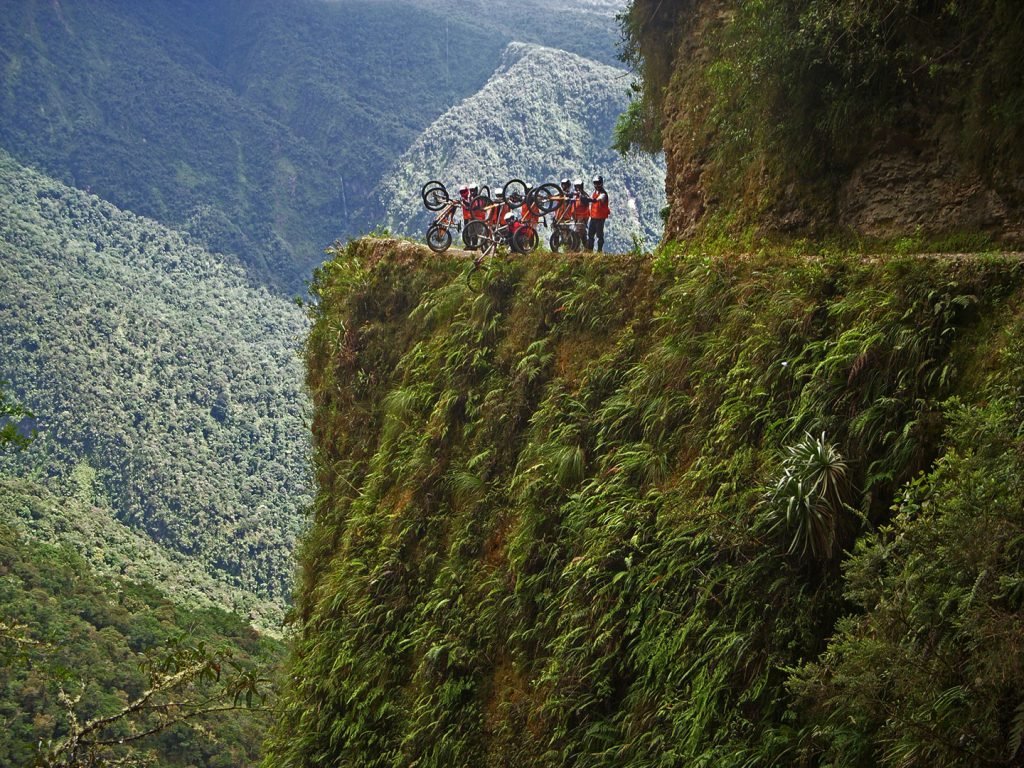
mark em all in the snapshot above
pixel 108 671
pixel 75 646
pixel 164 387
pixel 700 510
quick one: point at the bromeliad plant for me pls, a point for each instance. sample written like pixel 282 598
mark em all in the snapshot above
pixel 808 497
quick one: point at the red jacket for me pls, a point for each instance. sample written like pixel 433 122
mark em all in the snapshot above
pixel 580 207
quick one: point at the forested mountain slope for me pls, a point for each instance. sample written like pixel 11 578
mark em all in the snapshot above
pixel 544 115
pixel 64 628
pixel 696 510
pixel 165 387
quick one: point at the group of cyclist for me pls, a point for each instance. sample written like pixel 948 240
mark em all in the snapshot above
pixel 574 210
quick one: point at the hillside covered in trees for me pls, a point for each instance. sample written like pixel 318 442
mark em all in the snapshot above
pixel 167 392
pixel 76 646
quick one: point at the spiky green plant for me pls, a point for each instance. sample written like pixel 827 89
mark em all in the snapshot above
pixel 808 498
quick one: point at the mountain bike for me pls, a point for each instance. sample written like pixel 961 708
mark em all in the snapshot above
pixel 489 238
pixel 439 233
pixel 549 198
pixel 564 237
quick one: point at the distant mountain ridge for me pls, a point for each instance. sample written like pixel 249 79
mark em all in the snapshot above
pixel 544 115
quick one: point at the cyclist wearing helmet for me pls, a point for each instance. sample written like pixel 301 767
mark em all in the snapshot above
pixel 517 233
pixel 599 212
pixel 466 201
pixel 510 225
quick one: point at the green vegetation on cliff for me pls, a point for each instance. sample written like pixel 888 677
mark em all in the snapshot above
pixel 798 115
pixel 572 520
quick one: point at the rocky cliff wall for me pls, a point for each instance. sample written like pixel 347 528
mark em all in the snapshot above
pixel 814 118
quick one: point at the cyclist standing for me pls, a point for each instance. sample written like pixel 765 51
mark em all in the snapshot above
pixel 580 211
pixel 599 212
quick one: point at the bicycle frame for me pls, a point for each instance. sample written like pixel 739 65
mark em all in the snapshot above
pixel 445 218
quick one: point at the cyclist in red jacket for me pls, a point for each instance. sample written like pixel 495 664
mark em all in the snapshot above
pixel 599 212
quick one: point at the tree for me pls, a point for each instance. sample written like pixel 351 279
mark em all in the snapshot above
pixel 186 683
pixel 12 414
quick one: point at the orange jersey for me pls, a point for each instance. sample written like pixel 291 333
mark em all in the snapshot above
pixel 528 216
pixel 493 211
pixel 580 209
pixel 599 208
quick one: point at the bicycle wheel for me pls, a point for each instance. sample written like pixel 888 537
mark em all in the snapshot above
pixel 438 238
pixel 515 192
pixel 574 240
pixel 472 232
pixel 525 240
pixel 434 195
pixel 545 199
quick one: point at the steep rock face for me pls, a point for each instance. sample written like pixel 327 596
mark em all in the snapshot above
pixel 686 193
pixel 544 115
pixel 552 524
pixel 923 189
pixel 916 162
